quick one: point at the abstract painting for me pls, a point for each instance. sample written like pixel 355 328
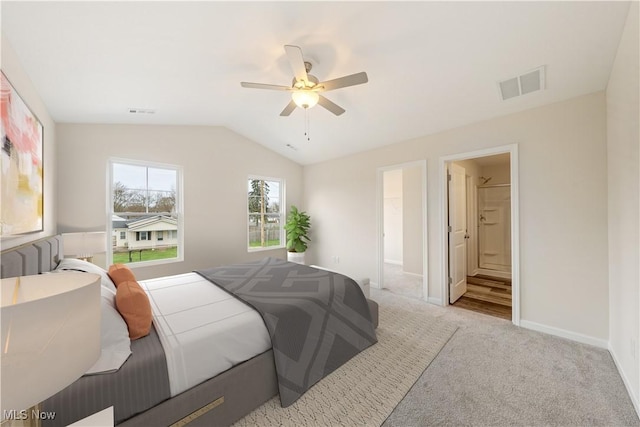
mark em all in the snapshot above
pixel 22 174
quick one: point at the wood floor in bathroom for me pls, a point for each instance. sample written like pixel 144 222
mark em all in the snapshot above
pixel 488 295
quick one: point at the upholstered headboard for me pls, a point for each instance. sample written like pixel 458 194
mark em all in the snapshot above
pixel 35 257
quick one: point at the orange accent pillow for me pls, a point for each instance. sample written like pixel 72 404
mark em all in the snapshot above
pixel 121 273
pixel 133 304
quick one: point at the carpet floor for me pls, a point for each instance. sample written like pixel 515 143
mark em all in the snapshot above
pixel 492 373
pixel 401 283
pixel 365 390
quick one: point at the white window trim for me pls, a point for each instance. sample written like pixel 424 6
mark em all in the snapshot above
pixel 179 209
pixel 283 193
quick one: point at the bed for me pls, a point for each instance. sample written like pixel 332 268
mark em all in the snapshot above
pixel 140 391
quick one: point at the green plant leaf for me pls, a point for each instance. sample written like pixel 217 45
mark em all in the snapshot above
pixel 297 228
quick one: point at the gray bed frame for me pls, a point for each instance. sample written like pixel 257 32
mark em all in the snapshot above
pixel 219 401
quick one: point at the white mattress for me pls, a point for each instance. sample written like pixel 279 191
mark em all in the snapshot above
pixel 203 329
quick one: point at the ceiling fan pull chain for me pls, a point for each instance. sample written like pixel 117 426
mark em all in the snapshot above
pixel 306 124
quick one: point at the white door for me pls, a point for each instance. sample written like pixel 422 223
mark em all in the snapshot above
pixel 494 234
pixel 457 233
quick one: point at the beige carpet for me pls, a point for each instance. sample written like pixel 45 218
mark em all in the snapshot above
pixel 401 283
pixel 364 391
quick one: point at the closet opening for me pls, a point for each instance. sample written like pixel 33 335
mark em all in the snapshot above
pixel 402 229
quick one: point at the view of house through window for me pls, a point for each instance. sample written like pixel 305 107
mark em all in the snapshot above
pixel 145 212
pixel 265 201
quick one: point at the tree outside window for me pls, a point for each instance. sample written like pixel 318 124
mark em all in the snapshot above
pixel 264 199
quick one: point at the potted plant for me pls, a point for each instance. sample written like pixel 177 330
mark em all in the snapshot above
pixel 297 227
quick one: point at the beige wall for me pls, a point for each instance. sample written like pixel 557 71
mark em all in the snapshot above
pixel 500 174
pixel 216 162
pixel 624 211
pixel 393 215
pixel 12 68
pixel 563 214
pixel 412 220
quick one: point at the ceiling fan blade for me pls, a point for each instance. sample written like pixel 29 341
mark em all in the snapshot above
pixel 352 80
pixel 294 53
pixel 288 109
pixel 263 86
pixel 329 105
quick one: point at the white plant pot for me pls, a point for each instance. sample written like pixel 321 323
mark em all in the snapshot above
pixel 297 257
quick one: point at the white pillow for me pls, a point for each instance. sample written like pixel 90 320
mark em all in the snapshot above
pixel 114 337
pixel 73 264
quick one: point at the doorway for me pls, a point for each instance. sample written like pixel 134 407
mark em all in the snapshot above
pixel 402 229
pixel 480 239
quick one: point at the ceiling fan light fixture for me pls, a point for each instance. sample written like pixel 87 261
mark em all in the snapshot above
pixel 305 98
pixel 304 86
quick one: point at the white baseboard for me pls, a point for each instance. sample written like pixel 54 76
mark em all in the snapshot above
pixel 393 262
pixel 412 274
pixel 574 336
pixel 430 300
pixel 434 300
pixel 634 399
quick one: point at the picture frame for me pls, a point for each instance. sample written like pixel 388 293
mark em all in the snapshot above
pixel 22 165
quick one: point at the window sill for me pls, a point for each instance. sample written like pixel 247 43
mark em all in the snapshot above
pixel 137 264
pixel 268 248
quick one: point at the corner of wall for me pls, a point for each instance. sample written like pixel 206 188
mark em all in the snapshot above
pixel 623 176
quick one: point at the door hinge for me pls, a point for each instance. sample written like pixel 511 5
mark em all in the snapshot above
pixel 448 177
pixel 449 229
pixel 450 280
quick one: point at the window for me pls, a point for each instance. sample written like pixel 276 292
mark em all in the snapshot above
pixel 145 200
pixel 265 198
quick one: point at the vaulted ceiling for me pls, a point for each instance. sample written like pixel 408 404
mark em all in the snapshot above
pixel 432 66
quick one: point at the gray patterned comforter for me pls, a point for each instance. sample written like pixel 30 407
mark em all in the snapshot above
pixel 317 319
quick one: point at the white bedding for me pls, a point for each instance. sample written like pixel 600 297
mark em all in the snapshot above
pixel 203 329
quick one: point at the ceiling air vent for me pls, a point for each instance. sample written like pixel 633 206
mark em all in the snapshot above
pixel 528 82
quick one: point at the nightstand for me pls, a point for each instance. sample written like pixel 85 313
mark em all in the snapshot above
pixel 103 418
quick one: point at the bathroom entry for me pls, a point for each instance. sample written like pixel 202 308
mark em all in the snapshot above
pixel 480 214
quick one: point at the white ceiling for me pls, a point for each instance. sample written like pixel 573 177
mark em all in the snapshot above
pixel 432 66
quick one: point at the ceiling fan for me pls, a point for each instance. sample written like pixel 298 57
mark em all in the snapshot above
pixel 305 87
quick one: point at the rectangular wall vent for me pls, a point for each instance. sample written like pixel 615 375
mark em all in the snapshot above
pixel 141 111
pixel 531 81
